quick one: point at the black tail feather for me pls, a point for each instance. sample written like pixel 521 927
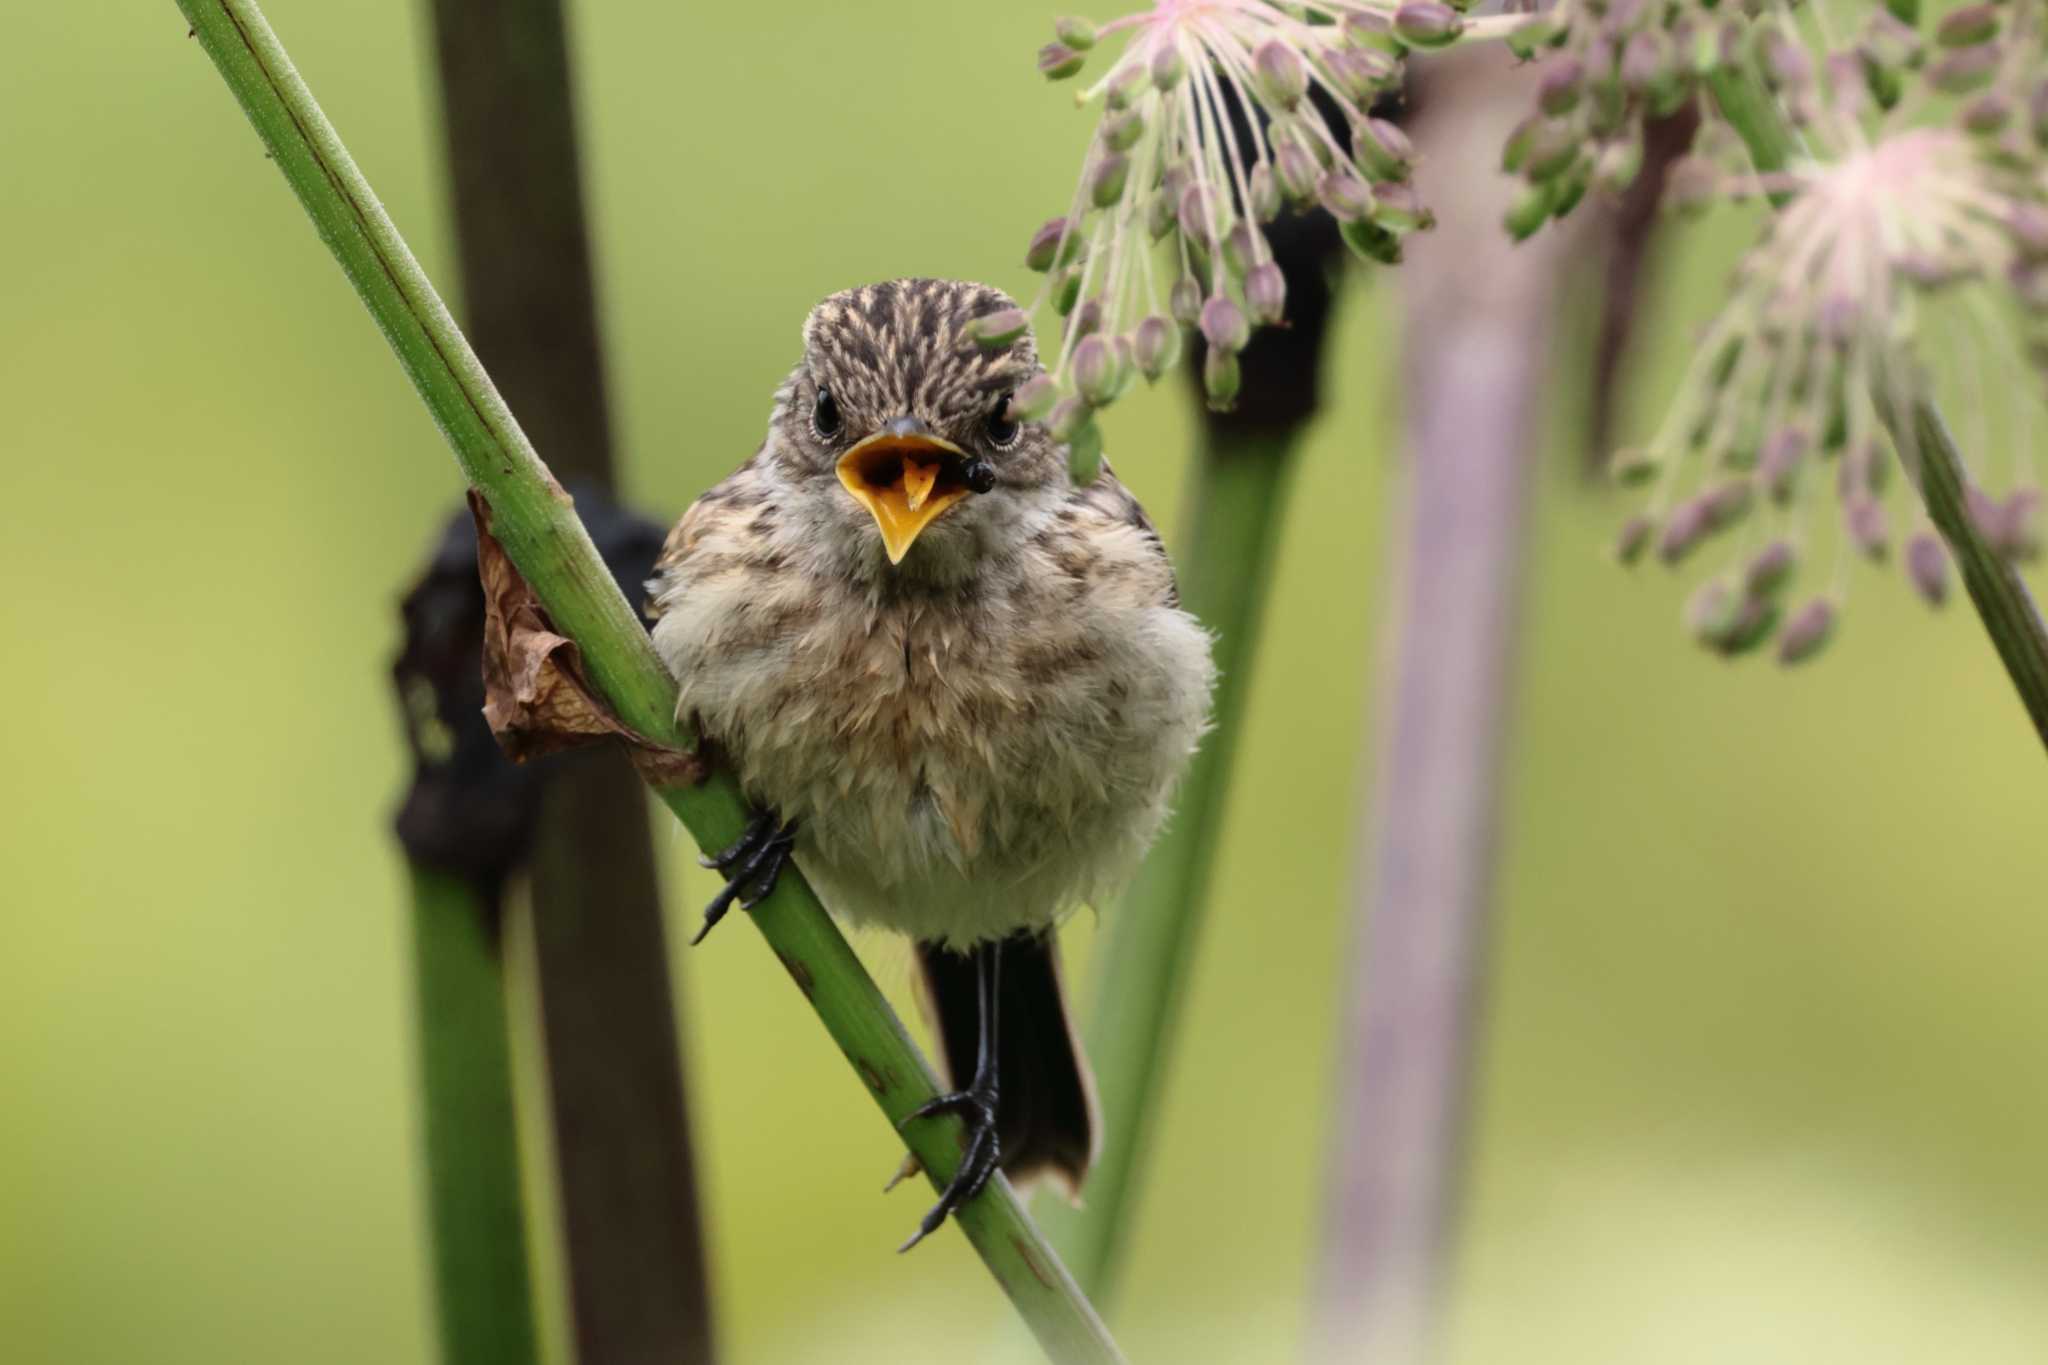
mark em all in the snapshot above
pixel 1045 1098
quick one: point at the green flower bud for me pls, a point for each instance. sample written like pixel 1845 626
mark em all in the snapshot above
pixel 1968 26
pixel 1965 70
pixel 1076 33
pixel 1168 66
pixel 1239 250
pixel 1684 529
pixel 1398 208
pixel 1807 632
pixel 1184 301
pixel 1560 83
pixel 1223 325
pixel 1296 171
pixel 1927 567
pixel 1033 399
pixel 1085 319
pixel 1221 379
pixel 1054 244
pixel 997 331
pixel 1069 415
pixel 1345 196
pixel 1728 503
pixel 1426 23
pixel 1553 145
pixel 1156 346
pixel 1864 519
pixel 1988 114
pixel 1196 214
pixel 1265 193
pixel 1619 163
pixel 1370 242
pixel 1106 179
pixel 1094 369
pixel 1265 294
pixel 1382 150
pixel 1124 88
pixel 1360 73
pixel 1160 216
pixel 1778 465
pixel 1066 291
pixel 1057 61
pixel 1120 132
pixel 1281 75
pixel 1770 569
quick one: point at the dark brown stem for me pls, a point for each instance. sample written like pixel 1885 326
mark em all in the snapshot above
pixel 629 1205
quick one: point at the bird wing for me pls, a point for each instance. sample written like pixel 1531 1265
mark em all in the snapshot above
pixel 1107 500
pixel 707 511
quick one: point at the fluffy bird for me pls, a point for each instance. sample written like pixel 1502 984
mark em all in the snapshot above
pixel 959 687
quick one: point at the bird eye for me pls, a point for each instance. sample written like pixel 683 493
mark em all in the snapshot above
pixel 1002 433
pixel 825 414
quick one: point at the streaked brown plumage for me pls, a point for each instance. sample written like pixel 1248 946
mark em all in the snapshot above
pixel 968 743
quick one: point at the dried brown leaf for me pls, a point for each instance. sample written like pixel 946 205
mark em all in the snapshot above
pixel 536 698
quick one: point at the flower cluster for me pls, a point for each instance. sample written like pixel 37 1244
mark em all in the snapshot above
pixel 1217 115
pixel 1919 200
pixel 1605 66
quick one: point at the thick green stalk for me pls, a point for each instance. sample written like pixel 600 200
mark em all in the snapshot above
pixel 1149 938
pixel 539 530
pixel 484 1294
pixel 1996 589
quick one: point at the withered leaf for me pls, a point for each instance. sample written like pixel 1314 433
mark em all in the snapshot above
pixel 536 698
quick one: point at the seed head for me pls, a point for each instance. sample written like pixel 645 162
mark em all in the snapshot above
pixel 1217 115
pixel 1918 195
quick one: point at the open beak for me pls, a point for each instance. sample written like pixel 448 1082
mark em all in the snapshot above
pixel 906 478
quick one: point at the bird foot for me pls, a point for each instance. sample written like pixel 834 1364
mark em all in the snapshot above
pixel 752 865
pixel 976 1107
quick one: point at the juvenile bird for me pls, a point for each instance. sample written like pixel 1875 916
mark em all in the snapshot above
pixel 960 688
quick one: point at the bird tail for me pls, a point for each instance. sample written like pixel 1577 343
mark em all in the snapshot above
pixel 1045 1097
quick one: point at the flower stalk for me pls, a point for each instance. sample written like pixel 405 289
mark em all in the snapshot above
pixel 1918 430
pixel 535 523
pixel 484 1291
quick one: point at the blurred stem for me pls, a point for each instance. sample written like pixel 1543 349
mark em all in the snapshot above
pixel 1149 939
pixel 1480 317
pixel 537 526
pixel 632 1226
pixel 1995 587
pixel 484 1298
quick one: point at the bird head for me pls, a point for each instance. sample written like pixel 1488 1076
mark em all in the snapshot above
pixel 896 426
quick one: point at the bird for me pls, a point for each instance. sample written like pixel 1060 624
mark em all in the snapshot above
pixel 958 687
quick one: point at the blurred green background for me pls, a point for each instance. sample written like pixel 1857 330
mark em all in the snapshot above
pixel 1762 1070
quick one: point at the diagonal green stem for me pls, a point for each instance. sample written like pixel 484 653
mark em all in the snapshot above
pixel 539 530
pixel 484 1291
pixel 1995 587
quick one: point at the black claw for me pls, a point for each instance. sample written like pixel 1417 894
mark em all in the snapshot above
pixel 752 866
pixel 976 1107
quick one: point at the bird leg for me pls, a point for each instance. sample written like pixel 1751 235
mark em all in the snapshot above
pixel 976 1105
pixel 751 866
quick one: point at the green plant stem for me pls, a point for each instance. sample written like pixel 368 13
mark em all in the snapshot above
pixel 484 1293
pixel 1995 587
pixel 539 530
pixel 1149 939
